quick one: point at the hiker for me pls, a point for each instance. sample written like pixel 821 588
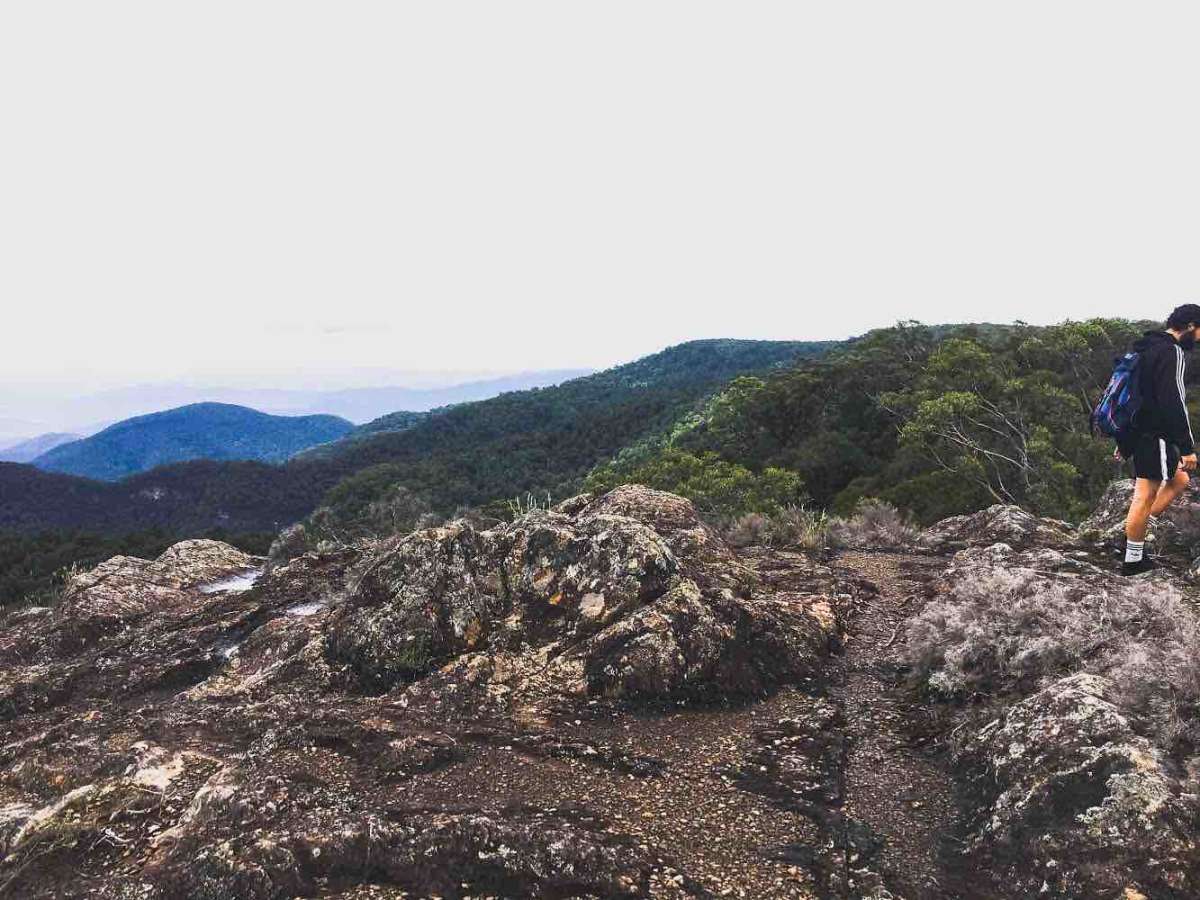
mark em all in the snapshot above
pixel 1159 439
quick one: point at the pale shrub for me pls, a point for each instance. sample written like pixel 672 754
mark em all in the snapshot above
pixel 792 526
pixel 1013 630
pixel 875 525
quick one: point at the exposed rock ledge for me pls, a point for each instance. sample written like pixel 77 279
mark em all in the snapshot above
pixel 1074 721
pixel 166 742
pixel 510 713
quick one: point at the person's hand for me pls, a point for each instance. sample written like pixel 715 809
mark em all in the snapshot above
pixel 1188 463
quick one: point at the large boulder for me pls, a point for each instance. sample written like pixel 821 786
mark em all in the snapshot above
pixel 125 587
pixel 1074 803
pixel 625 595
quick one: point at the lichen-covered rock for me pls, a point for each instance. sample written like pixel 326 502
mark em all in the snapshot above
pixel 124 587
pixel 1074 803
pixel 528 854
pixel 444 713
pixel 1073 697
pixel 628 595
pixel 997 524
pixel 13 817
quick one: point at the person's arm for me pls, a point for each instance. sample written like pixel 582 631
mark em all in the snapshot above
pixel 1169 384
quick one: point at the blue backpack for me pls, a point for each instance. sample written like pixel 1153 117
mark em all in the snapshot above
pixel 1122 398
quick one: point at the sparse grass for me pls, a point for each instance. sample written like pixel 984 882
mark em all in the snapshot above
pixel 52 593
pixel 519 506
pixel 398 511
pixel 875 525
pixel 790 527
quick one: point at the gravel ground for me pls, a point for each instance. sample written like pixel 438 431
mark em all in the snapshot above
pixel 902 792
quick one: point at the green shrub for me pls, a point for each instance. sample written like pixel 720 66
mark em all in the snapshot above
pixel 721 490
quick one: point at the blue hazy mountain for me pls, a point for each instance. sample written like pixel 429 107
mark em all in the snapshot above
pixel 29 450
pixel 215 431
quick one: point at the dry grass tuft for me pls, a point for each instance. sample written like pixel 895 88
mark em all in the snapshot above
pixel 1012 630
pixel 875 525
pixel 793 526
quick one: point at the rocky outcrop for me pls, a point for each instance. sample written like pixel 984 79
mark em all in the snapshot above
pixel 125 587
pixel 530 852
pixel 1075 708
pixel 630 595
pixel 603 700
pixel 458 712
pixel 996 524
pixel 1074 803
pixel 1176 533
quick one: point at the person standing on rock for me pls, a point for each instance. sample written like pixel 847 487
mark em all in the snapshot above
pixel 1159 442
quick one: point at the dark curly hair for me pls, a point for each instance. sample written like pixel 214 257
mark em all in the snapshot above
pixel 1183 316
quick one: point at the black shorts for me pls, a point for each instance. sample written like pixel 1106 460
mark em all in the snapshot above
pixel 1154 457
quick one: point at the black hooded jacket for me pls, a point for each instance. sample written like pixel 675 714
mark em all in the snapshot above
pixel 1164 410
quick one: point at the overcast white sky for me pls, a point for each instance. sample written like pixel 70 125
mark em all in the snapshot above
pixel 219 189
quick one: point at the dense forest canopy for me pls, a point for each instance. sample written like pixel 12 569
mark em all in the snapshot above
pixel 469 453
pixel 937 421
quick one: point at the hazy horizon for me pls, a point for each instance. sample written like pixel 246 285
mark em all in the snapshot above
pixel 59 407
pixel 191 192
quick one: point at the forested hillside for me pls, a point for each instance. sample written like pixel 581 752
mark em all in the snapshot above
pixel 538 440
pixel 934 420
pixel 545 440
pixel 937 421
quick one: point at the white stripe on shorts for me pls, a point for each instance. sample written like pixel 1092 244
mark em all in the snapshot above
pixel 1162 456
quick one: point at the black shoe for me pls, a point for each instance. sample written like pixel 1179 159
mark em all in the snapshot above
pixel 1145 564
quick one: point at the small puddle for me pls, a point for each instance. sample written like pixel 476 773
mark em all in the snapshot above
pixel 305 609
pixel 243 581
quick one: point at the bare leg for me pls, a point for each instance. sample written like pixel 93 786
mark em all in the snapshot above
pixel 1169 492
pixel 1145 492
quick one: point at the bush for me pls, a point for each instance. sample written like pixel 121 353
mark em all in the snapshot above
pixel 1010 630
pixel 791 526
pixel 292 542
pixel 875 525
pixel 721 490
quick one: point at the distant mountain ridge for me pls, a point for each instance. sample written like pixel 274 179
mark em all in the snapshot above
pixel 28 451
pixel 214 431
pixel 540 439
pixel 26 414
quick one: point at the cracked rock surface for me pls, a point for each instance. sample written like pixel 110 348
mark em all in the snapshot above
pixel 555 707
pixel 603 700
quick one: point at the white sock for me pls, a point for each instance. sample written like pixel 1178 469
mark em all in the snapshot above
pixel 1133 550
